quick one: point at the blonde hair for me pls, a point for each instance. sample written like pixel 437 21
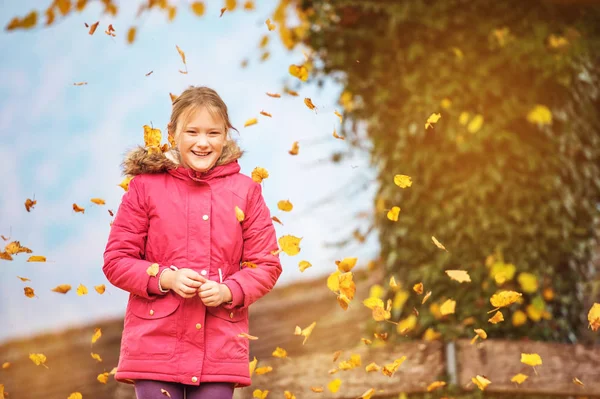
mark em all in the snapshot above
pixel 194 98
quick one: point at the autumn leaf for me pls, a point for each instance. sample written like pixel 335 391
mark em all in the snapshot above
pixel 263 370
pixel 103 378
pixel 250 122
pixel 371 367
pixel 110 31
pixel 303 265
pixel 96 356
pixel 80 84
pixel 402 181
pixel 239 214
pixel 252 366
pixel 338 115
pixel 29 293
pixel 97 334
pixel 435 385
pixel 301 72
pixel 497 318
pixel 366 341
pixel 223 11
pixel 459 275
pixel 24 279
pixel 290 244
pixel 182 54
pixel 38 359
pixel 519 378
pixel 27 22
pixel 426 297
pixel 62 288
pixel 481 382
pixel 393 213
pixel 100 288
pixel 317 389
pixel 305 332
pixel 540 115
pixel 531 359
pixel 76 208
pixel 36 258
pixel 98 201
pixel 594 317
pixel 75 395
pixel 250 337
pixel 390 369
pixel 335 135
pixel 285 205
pixel 5 256
pixel 309 103
pixel 295 148
pixel 393 283
pixel 448 307
pixel 289 395
pixel 274 95
pixel 258 394
pixel 14 248
pixel 577 381
pixel 418 288
pixel 290 92
pixel 280 353
pixel 334 385
pixel 165 392
pixel 198 8
pixel 259 174
pixel 346 264
pixel 249 264
pixel 29 204
pixel 503 299
pixel 125 183
pixel 438 244
pixel 5 366
pixel 93 27
pixel 432 120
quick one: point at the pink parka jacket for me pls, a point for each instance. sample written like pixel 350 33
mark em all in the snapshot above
pixel 172 215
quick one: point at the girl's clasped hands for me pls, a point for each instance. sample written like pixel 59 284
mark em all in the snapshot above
pixel 187 283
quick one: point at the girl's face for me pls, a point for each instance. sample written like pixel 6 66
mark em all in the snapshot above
pixel 201 140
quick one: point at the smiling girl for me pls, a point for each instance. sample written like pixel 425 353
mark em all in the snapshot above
pixel 183 323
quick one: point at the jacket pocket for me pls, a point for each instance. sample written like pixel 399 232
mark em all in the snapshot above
pixel 152 328
pixel 223 329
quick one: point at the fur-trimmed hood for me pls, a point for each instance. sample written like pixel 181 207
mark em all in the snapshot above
pixel 139 161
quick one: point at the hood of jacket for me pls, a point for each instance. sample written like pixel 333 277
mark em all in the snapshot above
pixel 139 161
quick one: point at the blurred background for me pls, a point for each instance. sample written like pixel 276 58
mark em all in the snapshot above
pixel 491 108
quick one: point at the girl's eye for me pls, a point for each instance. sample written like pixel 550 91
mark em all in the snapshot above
pixel 215 133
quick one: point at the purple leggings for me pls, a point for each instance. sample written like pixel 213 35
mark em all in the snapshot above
pixel 150 389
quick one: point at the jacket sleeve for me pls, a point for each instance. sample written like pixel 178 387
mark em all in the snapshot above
pixel 250 284
pixel 124 257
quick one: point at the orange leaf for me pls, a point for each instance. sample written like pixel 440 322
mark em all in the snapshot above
pixel 309 103
pixel 182 54
pixel 335 135
pixel 100 289
pixel 418 288
pixel 98 201
pixel 76 208
pixel 276 219
pixel 271 26
pixel 295 148
pixel 198 8
pixel 131 34
pixel 80 84
pixel 110 31
pixel 36 258
pixel 29 293
pixel 266 114
pixel 97 334
pixel 250 122
pixel 82 290
pixel 29 204
pixel 223 11
pixel 244 335
pixel 152 270
pixel 93 27
pixel 62 288
pixel 274 95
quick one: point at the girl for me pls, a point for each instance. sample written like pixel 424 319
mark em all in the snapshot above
pixel 191 267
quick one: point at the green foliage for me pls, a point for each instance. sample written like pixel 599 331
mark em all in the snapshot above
pixel 525 192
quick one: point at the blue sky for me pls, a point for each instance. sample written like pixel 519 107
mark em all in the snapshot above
pixel 63 144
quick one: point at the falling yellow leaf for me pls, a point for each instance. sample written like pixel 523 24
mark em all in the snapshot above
pixel 263 370
pixel 96 356
pixel 276 219
pixel 480 334
pixel 390 369
pixel 475 125
pixel 373 302
pixel 426 297
pixel 100 288
pixel 433 118
pixel 258 394
pixel 594 317
pixel 448 307
pixel 435 385
pixel 93 27
pixel 540 114
pixel 481 382
pixel 265 113
pixel 366 341
pixel 303 265
pixel 274 95
pixel 62 288
pixel 393 213
pixel 372 367
pixel 309 103
pixel 77 208
pixel 402 181
pixel 459 275
pixel 295 149
pixel 28 205
pixel 280 353
pixel 335 135
pixel 75 395
pixel 23 278
pixel 245 335
pixel 165 392
pixel 367 394
pixel 98 201
pixel 438 244
pixel 271 26
pixel 528 282
pixel 289 395
pixel 577 381
pixel 519 378
pixel 250 122
pixel 497 318
pixel 198 8
pixel 334 385
pixel 305 332
pixel 5 365
pixel 131 35
pixel 338 115
pixel 239 214
pixel 38 359
pixel 182 54
pixel 531 359
pixel 80 84
pixel 36 258
pixel 301 72
pixel 317 389
pixel 519 318
pixel 418 288
pixel 336 355
pixel 259 174
pixel 346 264
pixel 152 270
pixel 285 205
pixel 252 366
pixel 125 183
pixel 504 298
pixel 29 292
pixel 103 377
pixel 97 334
pixel 290 244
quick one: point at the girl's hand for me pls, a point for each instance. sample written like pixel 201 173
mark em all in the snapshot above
pixel 185 282
pixel 214 294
